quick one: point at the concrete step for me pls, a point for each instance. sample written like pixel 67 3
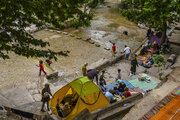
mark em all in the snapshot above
pixel 16 96
pixel 5 101
pixel 119 108
pixel 120 112
pixel 34 107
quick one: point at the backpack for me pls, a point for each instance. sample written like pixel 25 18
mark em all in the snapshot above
pixel 46 95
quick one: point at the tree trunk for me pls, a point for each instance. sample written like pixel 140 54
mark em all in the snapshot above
pixel 163 37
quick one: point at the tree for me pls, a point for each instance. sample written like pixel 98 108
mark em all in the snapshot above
pixel 153 13
pixel 16 15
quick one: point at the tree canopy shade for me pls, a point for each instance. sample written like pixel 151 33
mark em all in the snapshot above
pixel 153 13
pixel 16 15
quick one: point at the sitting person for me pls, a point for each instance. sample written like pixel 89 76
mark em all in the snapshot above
pixel 121 87
pixel 116 90
pixel 144 50
pixel 59 109
pixel 49 62
pixel 110 97
pixel 127 93
pixel 66 109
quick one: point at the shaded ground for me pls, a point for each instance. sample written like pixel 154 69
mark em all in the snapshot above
pixel 107 25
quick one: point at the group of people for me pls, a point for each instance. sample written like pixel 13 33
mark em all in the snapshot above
pixel 127 51
pixel 120 91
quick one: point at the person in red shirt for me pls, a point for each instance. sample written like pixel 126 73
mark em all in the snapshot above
pixel 113 49
pixel 41 68
pixel 127 93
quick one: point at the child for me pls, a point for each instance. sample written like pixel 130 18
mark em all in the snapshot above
pixel 113 49
pixel 41 68
pixel 118 77
pixel 49 62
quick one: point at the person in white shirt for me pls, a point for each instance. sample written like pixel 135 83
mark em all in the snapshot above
pixel 127 51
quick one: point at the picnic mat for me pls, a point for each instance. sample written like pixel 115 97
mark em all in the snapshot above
pixel 136 89
pixel 164 108
pixel 114 84
pixel 143 84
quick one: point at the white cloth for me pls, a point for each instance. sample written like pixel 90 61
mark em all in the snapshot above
pixel 127 50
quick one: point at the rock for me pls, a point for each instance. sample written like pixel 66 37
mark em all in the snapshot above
pixel 65 33
pixel 31 86
pixel 55 37
pixel 75 31
pixel 18 96
pixel 79 38
pixel 33 92
pixel 71 35
pixel 46 29
pixel 107 48
pixel 91 41
pixel 53 75
pixel 37 97
pixel 51 30
pixel 59 32
pixel 112 41
pixel 97 45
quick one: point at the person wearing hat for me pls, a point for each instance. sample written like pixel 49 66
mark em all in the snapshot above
pixel 84 69
pixel 46 92
pixel 101 78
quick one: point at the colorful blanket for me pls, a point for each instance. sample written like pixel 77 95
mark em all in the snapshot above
pixel 163 110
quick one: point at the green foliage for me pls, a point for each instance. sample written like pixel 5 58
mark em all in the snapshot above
pixel 16 15
pixel 152 13
pixel 159 60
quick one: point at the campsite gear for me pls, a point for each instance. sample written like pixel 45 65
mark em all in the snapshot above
pixel 85 94
pixel 171 60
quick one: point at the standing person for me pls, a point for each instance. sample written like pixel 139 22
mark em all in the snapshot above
pixel 49 61
pixel 101 78
pixel 127 51
pixel 93 73
pixel 46 92
pixel 118 77
pixel 134 63
pixel 41 68
pixel 113 50
pixel 149 33
pixel 84 69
